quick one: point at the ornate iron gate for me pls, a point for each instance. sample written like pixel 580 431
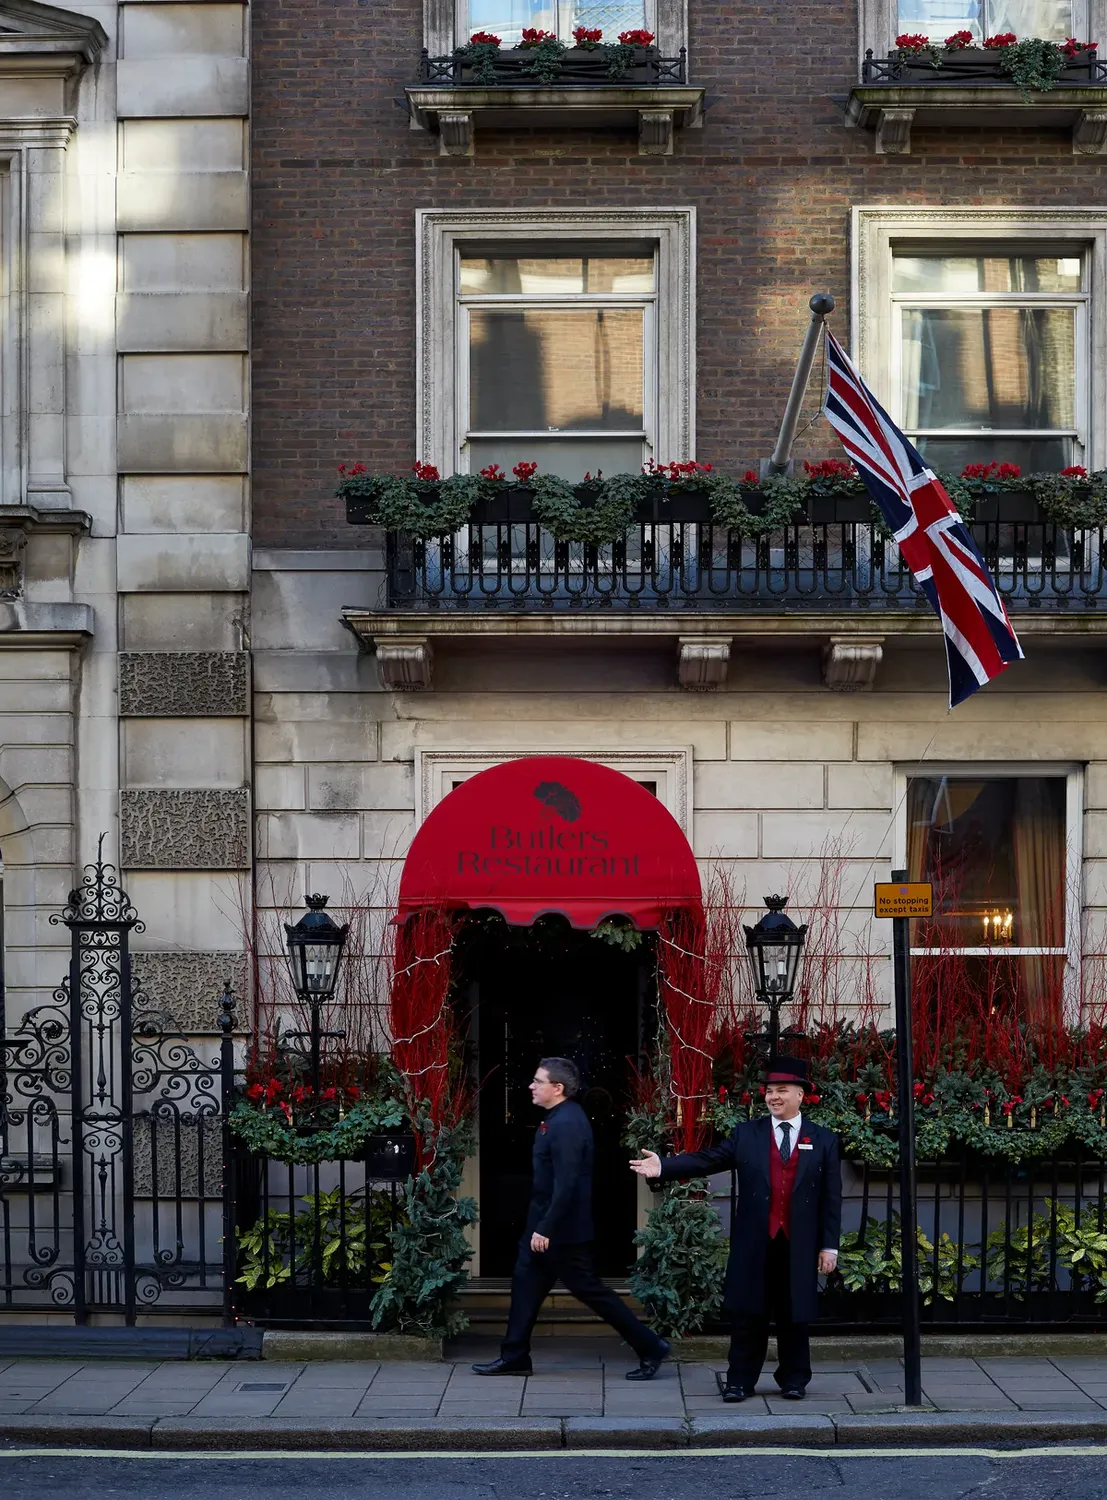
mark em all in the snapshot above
pixel 111 1147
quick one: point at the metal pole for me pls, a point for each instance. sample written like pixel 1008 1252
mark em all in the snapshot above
pixel 821 305
pixel 909 1244
pixel 226 1080
pixel 316 1044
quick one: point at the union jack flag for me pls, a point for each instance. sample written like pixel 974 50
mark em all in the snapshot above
pixel 934 541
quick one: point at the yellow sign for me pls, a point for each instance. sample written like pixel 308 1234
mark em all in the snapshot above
pixel 895 900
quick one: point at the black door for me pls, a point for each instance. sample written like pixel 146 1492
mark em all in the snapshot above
pixel 551 991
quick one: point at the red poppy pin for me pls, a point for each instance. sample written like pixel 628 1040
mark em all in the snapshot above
pixel 542 1128
pixel 805 1140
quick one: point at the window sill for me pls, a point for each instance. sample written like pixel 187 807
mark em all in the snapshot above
pixel 453 111
pixel 892 109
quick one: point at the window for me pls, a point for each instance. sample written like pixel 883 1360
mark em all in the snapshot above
pixel 507 18
pixel 1052 20
pixel 988 348
pixel 998 849
pixel 562 337
pixel 558 357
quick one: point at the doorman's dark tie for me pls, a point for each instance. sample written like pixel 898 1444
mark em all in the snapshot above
pixel 785 1140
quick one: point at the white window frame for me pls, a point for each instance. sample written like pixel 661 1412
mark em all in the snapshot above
pixel 878 229
pixel 440 413
pixel 445 25
pixel 1074 853
pixel 505 302
pixel 436 771
pixel 564 16
pixel 880 24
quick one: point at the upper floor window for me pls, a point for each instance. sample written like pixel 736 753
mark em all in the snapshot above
pixel 988 351
pixel 508 18
pixel 1052 20
pixel 557 356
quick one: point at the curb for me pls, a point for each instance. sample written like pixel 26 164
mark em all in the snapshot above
pixel 293 1345
pixel 529 1434
pixel 705 1348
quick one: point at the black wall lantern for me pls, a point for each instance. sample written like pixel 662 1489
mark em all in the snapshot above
pixel 315 947
pixel 774 946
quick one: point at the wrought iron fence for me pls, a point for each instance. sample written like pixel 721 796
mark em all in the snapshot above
pixel 511 69
pixel 696 565
pixel 973 66
pixel 1000 1245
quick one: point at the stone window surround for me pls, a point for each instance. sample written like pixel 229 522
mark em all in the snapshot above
pixel 435 770
pixel 877 229
pixel 442 30
pixel 879 24
pixel 1074 841
pixel 438 233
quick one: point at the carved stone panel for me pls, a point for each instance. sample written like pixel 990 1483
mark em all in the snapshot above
pixel 187 986
pixel 184 684
pixel 178 1149
pixel 200 829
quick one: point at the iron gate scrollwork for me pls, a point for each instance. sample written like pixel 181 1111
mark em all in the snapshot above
pixel 111 1148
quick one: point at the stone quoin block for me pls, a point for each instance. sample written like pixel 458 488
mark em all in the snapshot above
pixel 184 684
pixel 184 829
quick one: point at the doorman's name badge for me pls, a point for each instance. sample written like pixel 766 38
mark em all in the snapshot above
pixel 903 899
pixel 805 1148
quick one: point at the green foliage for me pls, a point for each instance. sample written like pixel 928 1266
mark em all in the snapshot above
pixel 333 1241
pixel 558 507
pixel 544 59
pixel 269 1133
pixel 430 1253
pixel 620 58
pixel 1020 1262
pixel 679 1275
pixel 481 57
pixel 619 933
pixel 866 1260
pixel 1032 65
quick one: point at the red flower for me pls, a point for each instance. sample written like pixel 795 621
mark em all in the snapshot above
pixel 328 1095
pixel 805 1140
pixel 532 37
pixel 958 40
pixel 814 1098
pixel 287 1110
pixel 493 471
pixel 861 1100
pixel 273 1090
pixel 750 477
pixel 587 36
pixel 1012 1103
pixel 483 39
pixel 985 471
pixel 722 1092
pixel 1009 471
pixel 425 471
pixel 829 468
pixel 353 1092
pixel 636 38
pixel 1002 39
pixel 356 469
pixel 1094 1097
pixel 1074 471
pixel 342 468
pixel 525 471
pixel 1070 46
pixel 747 1098
pixel 257 1090
pixel 912 42
pixel 1064 1101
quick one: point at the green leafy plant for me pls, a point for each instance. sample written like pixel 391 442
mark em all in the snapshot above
pixel 480 52
pixel 678 1276
pixel 558 507
pixel 269 1132
pixel 1020 1261
pixel 870 1257
pixel 335 1239
pixel 545 54
pixel 430 1252
pixel 1033 65
pixel 619 933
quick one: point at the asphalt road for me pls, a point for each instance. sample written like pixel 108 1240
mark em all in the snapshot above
pixel 1062 1472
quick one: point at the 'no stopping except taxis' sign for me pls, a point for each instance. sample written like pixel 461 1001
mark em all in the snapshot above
pixel 897 899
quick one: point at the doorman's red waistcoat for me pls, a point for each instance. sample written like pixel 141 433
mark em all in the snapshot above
pixel 782 1178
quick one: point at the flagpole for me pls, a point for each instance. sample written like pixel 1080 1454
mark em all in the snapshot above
pixel 821 305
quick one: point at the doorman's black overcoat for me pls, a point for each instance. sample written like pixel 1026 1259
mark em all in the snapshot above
pixel 816 1211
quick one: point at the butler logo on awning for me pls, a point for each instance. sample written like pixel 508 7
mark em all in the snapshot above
pixel 551 834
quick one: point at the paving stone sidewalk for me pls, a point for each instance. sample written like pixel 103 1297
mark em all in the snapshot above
pixel 572 1379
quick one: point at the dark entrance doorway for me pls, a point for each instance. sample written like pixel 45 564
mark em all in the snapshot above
pixel 551 990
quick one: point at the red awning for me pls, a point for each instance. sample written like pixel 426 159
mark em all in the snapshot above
pixel 551 834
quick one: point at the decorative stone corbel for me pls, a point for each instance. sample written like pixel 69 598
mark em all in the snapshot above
pixel 893 132
pixel 849 663
pixel 655 132
pixel 405 664
pixel 1089 134
pixel 13 544
pixel 455 134
pixel 703 662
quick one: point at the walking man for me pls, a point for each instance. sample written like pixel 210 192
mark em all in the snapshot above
pixel 785 1233
pixel 557 1242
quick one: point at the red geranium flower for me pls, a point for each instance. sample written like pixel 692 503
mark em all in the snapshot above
pixel 533 37
pixel 636 38
pixel 829 468
pixel 751 477
pixel 587 36
pixel 257 1090
pixel 985 471
pixel 958 40
pixel 525 471
pixel 483 39
pixel 1074 471
pixel 1002 39
pixel 425 471
pixel 1009 471
pixel 493 471
pixel 1070 46
pixel 912 41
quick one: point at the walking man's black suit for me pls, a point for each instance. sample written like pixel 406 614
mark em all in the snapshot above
pixel 786 1215
pixel 561 1211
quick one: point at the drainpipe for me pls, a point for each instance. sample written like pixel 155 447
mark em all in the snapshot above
pixel 821 305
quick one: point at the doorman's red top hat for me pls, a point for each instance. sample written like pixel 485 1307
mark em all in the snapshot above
pixel 787 1070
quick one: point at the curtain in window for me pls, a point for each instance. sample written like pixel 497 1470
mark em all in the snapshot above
pixel 1039 848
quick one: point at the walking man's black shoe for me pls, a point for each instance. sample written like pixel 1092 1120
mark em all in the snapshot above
pixel 793 1393
pixel 649 1365
pixel 505 1367
pixel 733 1393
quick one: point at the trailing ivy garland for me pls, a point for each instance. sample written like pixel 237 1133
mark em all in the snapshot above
pixel 269 1132
pixel 602 510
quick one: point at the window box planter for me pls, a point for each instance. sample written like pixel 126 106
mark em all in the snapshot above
pixel 823 510
pixel 1011 507
pixel 654 94
pixel 968 89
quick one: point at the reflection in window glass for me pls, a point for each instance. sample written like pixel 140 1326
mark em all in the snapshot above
pixel 969 275
pixel 1052 20
pixel 507 18
pixel 555 369
pixel 507 275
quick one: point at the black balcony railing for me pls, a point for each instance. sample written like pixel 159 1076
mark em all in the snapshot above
pixel 972 65
pixel 695 565
pixel 579 68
